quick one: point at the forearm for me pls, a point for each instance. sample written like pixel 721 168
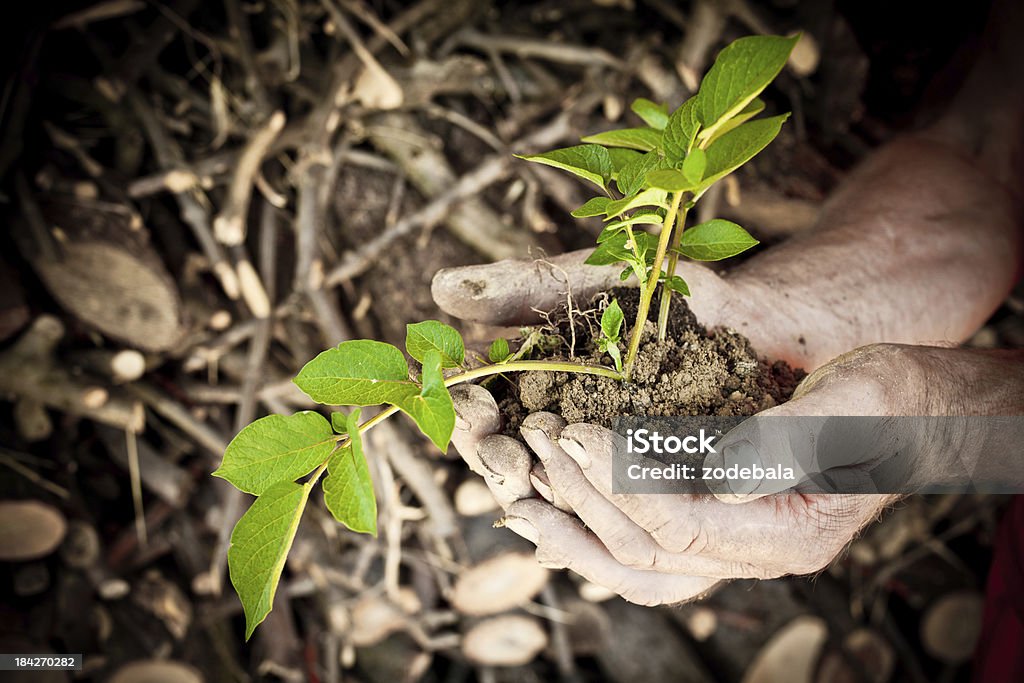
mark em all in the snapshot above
pixel 918 246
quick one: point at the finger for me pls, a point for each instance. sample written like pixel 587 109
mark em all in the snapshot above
pixel 627 542
pixel 476 417
pixel 507 292
pixel 701 535
pixel 662 514
pixel 506 468
pixel 563 542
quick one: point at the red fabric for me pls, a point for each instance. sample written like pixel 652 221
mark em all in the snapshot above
pixel 1000 653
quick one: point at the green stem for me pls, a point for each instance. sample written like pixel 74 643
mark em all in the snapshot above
pixel 673 260
pixel 647 292
pixel 488 371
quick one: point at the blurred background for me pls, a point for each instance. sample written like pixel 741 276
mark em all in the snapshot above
pixel 200 196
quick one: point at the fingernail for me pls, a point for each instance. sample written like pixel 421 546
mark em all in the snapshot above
pixel 576 451
pixel 745 455
pixel 524 528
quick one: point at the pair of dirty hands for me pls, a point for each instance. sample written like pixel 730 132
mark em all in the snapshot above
pixel 665 548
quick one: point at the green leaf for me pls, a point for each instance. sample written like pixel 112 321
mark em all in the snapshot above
pixel 739 146
pixel 740 72
pixel 276 448
pixel 611 321
pixel 649 197
pixel 681 131
pixel 677 284
pixel 499 351
pixel 590 162
pixel 755 107
pixel 636 219
pixel 654 115
pixel 432 407
pixel 613 351
pixel 348 488
pixel 633 177
pixel 621 157
pixel 259 547
pixel 595 206
pixel 615 249
pixel 694 165
pixel 642 139
pixel 624 275
pixel 715 240
pixel 670 180
pixel 433 335
pixel 361 372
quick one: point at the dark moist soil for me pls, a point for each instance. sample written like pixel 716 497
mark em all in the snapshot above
pixel 692 372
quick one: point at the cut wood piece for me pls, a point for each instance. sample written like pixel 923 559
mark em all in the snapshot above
pixel 406 142
pixel 790 655
pixel 498 584
pixel 509 640
pixel 872 654
pixel 107 274
pixel 472 498
pixel 155 671
pixel 644 645
pixel 29 529
pixel 951 625
pixel 124 365
pixel 29 371
pixel 374 618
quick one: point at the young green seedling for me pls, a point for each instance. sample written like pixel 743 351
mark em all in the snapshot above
pixel 659 172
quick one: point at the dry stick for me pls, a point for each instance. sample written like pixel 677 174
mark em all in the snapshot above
pixel 238 30
pixel 229 225
pixel 359 9
pixel 202 433
pixel 493 169
pixel 541 49
pixel 168 155
pixel 132 447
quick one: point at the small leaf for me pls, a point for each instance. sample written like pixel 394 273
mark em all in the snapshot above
pixel 740 72
pixel 611 321
pixel 677 284
pixel 670 180
pixel 681 131
pixel 595 206
pixel 649 197
pixel 755 107
pixel 694 164
pixel 361 372
pixel 590 162
pixel 420 338
pixel 624 275
pixel 432 407
pixel 636 219
pixel 633 177
pixel 348 488
pixel 621 157
pixel 259 547
pixel 739 146
pixel 615 249
pixel 715 240
pixel 654 115
pixel 276 448
pixel 613 351
pixel 642 139
pixel 499 351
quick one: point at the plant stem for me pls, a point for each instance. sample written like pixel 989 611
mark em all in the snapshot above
pixel 647 292
pixel 673 260
pixel 488 371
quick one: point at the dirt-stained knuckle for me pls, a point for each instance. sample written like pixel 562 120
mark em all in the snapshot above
pixel 632 548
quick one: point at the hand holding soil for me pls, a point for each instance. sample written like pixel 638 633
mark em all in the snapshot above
pixel 800 302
